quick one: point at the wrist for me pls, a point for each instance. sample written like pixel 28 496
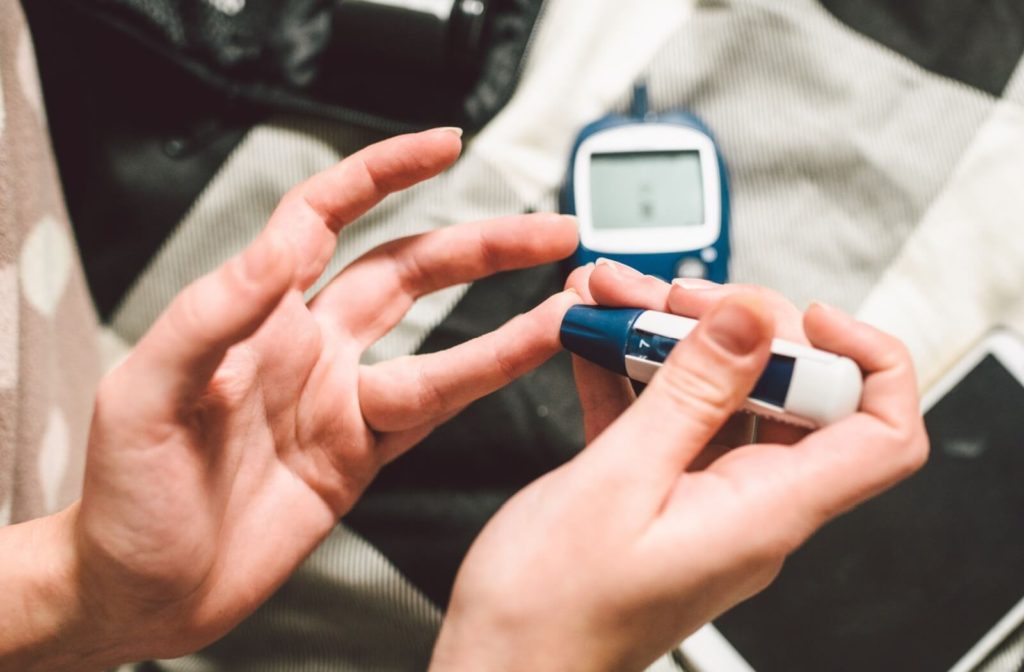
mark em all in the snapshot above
pixel 511 646
pixel 46 622
pixel 457 649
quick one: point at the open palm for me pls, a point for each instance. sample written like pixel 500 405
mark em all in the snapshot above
pixel 225 448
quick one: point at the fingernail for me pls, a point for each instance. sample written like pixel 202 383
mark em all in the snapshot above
pixel 617 267
pixel 824 306
pixel 693 284
pixel 736 327
pixel 571 290
pixel 454 130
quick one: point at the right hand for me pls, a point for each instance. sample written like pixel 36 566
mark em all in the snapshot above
pixel 616 557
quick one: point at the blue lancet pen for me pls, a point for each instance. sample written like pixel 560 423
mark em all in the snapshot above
pixel 800 385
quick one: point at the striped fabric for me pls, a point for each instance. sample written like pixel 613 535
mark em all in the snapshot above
pixel 1009 658
pixel 347 610
pixel 833 151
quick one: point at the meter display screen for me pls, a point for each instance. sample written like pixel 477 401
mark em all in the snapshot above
pixel 639 190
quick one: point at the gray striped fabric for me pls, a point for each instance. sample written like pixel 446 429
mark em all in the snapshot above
pixel 347 610
pixel 833 142
pixel 1009 658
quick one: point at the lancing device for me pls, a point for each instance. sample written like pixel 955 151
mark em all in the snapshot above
pixel 800 385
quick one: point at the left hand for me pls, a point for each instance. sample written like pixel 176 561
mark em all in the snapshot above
pixel 242 426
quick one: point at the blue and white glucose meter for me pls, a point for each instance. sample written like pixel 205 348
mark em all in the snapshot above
pixel 651 192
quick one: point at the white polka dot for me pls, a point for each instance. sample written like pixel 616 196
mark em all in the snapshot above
pixel 54 452
pixel 45 265
pixel 28 75
pixel 9 317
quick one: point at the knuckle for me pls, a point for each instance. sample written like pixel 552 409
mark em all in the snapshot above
pixel 897 362
pixel 762 561
pixel 507 369
pixel 364 172
pixel 577 279
pixel 776 546
pixel 430 398
pixel 704 398
pixel 363 176
pixel 489 254
pixel 412 276
pixel 894 355
pixel 899 354
pixel 907 436
pixel 766 573
pixel 377 180
pixel 320 211
pixel 902 352
pixel 915 452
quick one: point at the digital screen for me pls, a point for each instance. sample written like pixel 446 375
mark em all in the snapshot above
pixel 636 190
pixel 913 579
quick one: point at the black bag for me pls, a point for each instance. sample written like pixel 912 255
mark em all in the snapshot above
pixel 392 65
pixel 147 98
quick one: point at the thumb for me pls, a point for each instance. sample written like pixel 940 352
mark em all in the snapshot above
pixel 705 380
pixel 178 356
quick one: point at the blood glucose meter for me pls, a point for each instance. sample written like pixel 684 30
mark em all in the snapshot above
pixel 800 385
pixel 651 192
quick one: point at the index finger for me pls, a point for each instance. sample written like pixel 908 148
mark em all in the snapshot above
pixel 402 394
pixel 604 396
pixel 615 284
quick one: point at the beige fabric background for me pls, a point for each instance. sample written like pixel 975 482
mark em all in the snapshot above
pixel 49 363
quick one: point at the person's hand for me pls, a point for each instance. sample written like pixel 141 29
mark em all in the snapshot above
pixel 604 397
pixel 613 559
pixel 242 426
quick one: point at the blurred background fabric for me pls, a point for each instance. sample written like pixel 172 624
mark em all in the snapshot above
pixel 49 347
